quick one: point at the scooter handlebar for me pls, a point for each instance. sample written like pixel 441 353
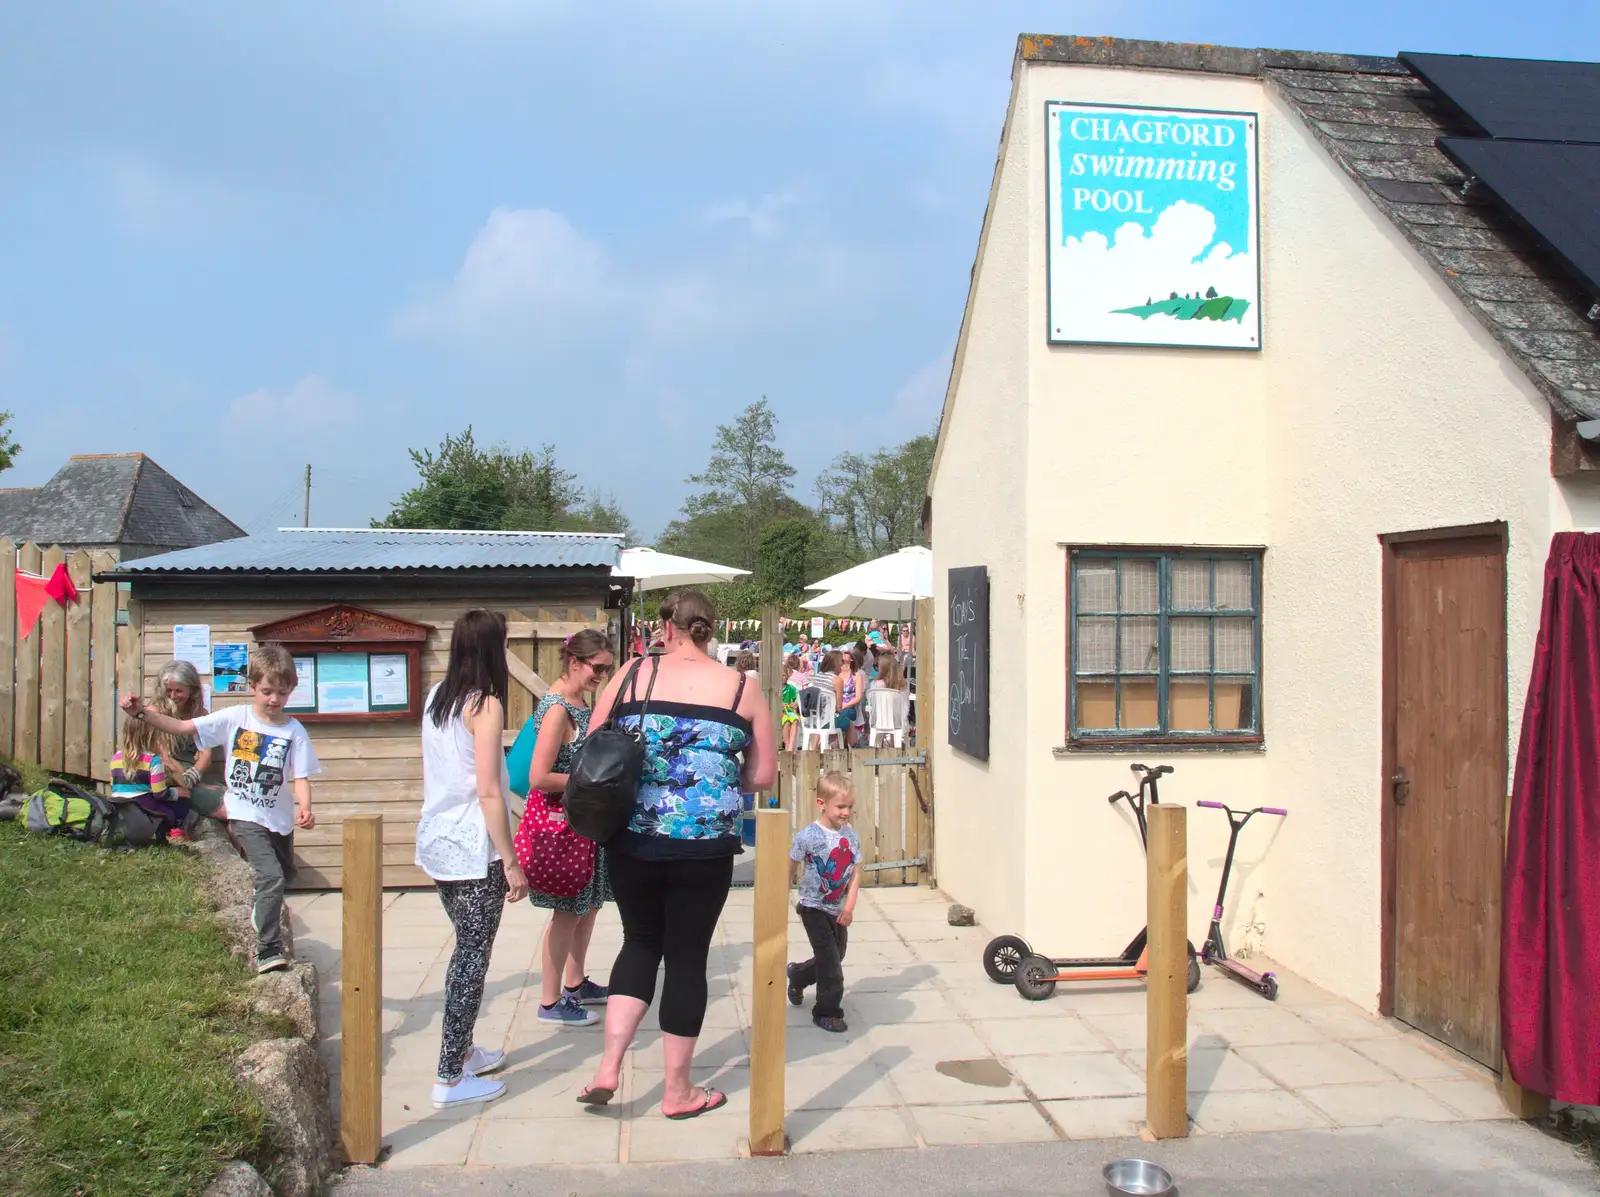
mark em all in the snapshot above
pixel 1157 771
pixel 1118 796
pixel 1273 810
pixel 1212 805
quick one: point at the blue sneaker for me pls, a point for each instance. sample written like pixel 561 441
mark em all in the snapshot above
pixel 567 1013
pixel 587 993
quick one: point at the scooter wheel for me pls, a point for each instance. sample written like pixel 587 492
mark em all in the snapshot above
pixel 1194 974
pixel 1269 987
pixel 1001 957
pixel 1036 978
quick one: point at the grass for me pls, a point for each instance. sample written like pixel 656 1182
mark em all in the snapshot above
pixel 120 1015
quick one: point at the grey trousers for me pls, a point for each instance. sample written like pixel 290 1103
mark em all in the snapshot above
pixel 271 858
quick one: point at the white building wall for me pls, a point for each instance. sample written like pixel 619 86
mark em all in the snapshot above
pixel 1127 446
pixel 1393 410
pixel 1378 404
pixel 979 496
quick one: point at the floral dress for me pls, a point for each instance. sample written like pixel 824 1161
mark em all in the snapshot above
pixel 598 892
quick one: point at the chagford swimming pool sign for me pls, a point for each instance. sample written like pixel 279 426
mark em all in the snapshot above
pixel 1153 227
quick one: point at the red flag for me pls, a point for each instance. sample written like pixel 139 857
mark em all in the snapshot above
pixel 34 591
pixel 60 586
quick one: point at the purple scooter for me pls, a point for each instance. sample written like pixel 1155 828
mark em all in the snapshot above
pixel 1214 952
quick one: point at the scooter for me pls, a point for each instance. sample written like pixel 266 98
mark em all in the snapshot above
pixel 1214 952
pixel 1009 958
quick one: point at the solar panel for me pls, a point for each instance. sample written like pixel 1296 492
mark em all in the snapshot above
pixel 1551 187
pixel 1517 97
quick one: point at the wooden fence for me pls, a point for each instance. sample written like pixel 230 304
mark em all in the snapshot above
pixel 58 684
pixel 894 806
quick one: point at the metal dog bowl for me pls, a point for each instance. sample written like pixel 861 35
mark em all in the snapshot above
pixel 1136 1176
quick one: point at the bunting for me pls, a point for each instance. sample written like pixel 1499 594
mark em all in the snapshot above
pixel 35 590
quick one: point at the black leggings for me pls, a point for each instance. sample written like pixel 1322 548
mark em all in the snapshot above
pixel 669 912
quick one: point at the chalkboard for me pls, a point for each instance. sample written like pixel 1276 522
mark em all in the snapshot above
pixel 969 660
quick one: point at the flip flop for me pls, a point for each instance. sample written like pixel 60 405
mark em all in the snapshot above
pixel 715 1100
pixel 596 1095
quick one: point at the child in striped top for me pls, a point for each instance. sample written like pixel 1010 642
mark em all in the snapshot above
pixel 139 775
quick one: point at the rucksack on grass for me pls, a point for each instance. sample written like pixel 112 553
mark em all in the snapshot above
pixel 65 809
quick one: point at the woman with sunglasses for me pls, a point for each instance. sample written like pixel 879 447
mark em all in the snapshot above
pixel 562 718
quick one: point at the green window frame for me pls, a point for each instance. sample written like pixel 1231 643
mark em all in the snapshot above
pixel 1164 644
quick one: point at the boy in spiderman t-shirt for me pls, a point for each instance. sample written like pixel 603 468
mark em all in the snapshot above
pixel 827 852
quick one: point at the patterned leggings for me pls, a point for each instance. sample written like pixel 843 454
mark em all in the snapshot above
pixel 474 908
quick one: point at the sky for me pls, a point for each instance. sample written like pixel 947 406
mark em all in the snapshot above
pixel 248 238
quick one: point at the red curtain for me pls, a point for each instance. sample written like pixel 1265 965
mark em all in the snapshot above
pixel 1550 941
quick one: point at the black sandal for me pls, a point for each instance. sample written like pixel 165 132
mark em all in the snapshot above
pixel 596 1095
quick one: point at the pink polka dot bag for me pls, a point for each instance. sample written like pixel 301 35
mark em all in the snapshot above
pixel 557 860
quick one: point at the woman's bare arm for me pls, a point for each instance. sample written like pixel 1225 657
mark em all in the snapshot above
pixel 487 724
pixel 760 767
pixel 552 735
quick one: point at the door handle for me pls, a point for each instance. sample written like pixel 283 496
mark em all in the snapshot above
pixel 1401 784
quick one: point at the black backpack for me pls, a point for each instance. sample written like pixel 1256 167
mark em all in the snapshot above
pixel 603 785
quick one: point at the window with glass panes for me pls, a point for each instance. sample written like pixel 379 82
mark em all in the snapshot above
pixel 1165 644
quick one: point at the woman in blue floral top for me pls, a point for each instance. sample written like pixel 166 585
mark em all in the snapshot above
pixel 707 740
pixel 562 718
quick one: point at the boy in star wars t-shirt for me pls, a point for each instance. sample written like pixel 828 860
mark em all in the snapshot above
pixel 269 763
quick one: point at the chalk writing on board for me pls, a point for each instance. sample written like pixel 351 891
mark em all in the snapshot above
pixel 968 711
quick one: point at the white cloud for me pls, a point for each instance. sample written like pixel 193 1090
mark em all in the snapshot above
pixel 761 217
pixel 310 405
pixel 532 281
pixel 527 273
pixel 1091 278
pixel 161 205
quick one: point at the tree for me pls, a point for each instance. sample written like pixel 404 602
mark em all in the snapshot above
pixel 747 477
pixel 1211 292
pixel 781 560
pixel 8 445
pixel 464 486
pixel 875 503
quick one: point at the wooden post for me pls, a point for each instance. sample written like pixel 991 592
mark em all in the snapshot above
pixel 1166 998
pixel 771 667
pixel 51 635
pixel 767 1025
pixel 76 706
pixel 8 645
pixel 102 669
pixel 927 728
pixel 361 1024
pixel 26 694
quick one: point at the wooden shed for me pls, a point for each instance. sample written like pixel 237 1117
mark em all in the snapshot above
pixel 367 614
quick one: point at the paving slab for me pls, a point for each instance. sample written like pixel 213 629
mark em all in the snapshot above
pixel 936 1053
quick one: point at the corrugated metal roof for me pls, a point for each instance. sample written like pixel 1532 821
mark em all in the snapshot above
pixel 338 550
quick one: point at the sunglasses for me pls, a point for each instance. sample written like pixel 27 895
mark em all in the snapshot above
pixel 602 670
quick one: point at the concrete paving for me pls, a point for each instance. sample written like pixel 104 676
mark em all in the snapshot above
pixel 1473 1159
pixel 937 1055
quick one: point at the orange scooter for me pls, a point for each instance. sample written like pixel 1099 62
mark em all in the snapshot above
pixel 1009 958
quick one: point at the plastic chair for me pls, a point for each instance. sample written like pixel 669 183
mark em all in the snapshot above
pixel 818 707
pixel 886 709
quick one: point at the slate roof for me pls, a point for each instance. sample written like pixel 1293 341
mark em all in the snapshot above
pixel 364 550
pixel 112 499
pixel 1381 124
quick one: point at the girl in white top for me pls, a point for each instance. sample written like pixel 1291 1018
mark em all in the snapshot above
pixel 464 839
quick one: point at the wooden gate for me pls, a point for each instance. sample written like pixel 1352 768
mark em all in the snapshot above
pixel 1445 785
pixel 894 815
pixel 58 684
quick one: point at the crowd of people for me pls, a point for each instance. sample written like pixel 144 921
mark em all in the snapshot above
pixel 851 671
pixel 492 831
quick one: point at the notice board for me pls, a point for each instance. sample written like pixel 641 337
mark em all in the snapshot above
pixel 968 709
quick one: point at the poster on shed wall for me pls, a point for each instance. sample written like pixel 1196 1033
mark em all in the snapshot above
pixel 1154 230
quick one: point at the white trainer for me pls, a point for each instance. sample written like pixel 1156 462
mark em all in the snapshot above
pixel 481 1061
pixel 468 1090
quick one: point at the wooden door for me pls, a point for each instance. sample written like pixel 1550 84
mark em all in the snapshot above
pixel 1445 787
